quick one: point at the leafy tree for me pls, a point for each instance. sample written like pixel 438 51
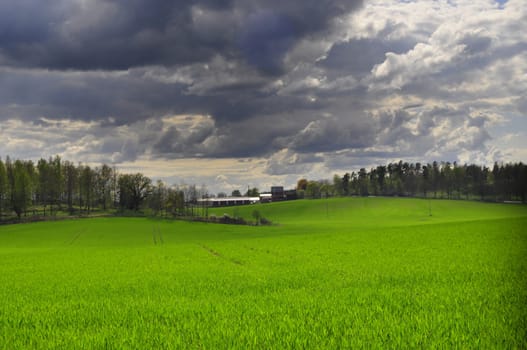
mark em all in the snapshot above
pixel 56 180
pixel 426 179
pixel 71 179
pixel 44 182
pixel 313 189
pixel 50 181
pixel 436 178
pixel 4 185
pixel 104 177
pixel 337 185
pixel 381 178
pixel 346 184
pixel 409 179
pixel 373 181
pixel 448 178
pixel 326 189
pixel 236 193
pixel 363 182
pixel 252 192
pixel 115 187
pixel 175 202
pixel 354 184
pixel 522 179
pixel 86 187
pixel 133 190
pixel 21 188
pixel 301 185
pixel 460 180
pixel 157 200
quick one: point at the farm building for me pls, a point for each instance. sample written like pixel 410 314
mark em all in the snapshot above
pixel 266 197
pixel 228 201
pixel 277 194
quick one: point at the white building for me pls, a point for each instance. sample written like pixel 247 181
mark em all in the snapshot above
pixel 228 201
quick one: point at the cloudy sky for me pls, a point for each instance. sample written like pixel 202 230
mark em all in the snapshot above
pixel 237 93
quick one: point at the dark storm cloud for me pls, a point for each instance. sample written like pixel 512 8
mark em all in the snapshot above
pixel 269 33
pixel 284 163
pixel 23 22
pixel 246 122
pixel 121 34
pixel 251 137
pixel 330 134
pixel 97 61
pixel 359 56
pixel 111 36
pixel 267 38
pixel 101 35
pixel 86 96
pixel 176 143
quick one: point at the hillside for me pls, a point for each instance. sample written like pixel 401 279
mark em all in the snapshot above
pixel 356 272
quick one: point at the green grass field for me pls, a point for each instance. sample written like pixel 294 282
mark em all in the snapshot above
pixel 339 273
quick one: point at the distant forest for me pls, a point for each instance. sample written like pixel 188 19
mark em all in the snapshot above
pixel 54 187
pixel 504 182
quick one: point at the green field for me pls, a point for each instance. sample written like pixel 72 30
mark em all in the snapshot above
pixel 339 273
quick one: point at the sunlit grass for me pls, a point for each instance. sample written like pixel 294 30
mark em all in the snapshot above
pixel 360 272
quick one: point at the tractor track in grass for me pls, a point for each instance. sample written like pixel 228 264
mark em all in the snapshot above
pixel 157 236
pixel 261 251
pixel 221 256
pixel 76 236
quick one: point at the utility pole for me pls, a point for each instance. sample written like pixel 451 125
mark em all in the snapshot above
pixel 327 206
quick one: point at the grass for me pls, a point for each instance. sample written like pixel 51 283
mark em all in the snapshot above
pixel 342 273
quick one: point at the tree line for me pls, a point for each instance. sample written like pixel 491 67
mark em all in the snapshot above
pixel 52 186
pixel 502 182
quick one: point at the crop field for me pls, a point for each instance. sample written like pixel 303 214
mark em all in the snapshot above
pixel 337 273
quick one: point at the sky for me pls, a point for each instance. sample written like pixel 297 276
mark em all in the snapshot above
pixel 238 93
